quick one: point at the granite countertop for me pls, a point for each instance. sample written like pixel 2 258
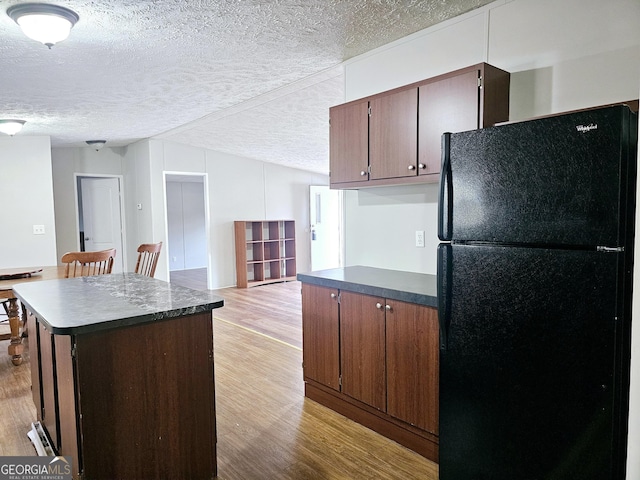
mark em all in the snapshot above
pixel 409 287
pixel 80 305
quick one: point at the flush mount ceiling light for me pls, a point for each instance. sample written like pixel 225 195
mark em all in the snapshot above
pixel 11 127
pixel 45 23
pixel 96 144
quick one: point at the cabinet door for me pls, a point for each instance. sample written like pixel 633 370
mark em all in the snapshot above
pixel 320 343
pixel 348 142
pixel 66 400
pixel 394 135
pixel 47 377
pixel 447 105
pixel 362 348
pixel 33 327
pixel 413 364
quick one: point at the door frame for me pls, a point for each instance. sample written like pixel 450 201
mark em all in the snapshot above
pixel 207 217
pixel 123 220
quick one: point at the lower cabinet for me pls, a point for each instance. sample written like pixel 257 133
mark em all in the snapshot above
pixel 374 360
pixel 134 402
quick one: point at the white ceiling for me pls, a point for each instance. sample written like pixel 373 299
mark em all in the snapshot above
pixel 248 77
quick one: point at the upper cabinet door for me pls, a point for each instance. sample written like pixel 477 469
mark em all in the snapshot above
pixel 348 138
pixel 394 135
pixel 448 105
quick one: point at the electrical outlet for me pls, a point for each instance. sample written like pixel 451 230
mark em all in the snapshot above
pixel 38 229
pixel 419 238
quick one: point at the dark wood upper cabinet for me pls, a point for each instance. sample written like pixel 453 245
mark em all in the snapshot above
pixel 448 105
pixel 393 135
pixel 349 142
pixel 405 126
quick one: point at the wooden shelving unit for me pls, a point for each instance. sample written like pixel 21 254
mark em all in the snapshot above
pixel 265 252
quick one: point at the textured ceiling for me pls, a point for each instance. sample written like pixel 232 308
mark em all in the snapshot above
pixel 247 77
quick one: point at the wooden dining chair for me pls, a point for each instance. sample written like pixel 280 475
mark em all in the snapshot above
pixel 148 254
pixel 85 264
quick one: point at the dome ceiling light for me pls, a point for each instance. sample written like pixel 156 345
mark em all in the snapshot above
pixel 48 24
pixel 96 144
pixel 11 127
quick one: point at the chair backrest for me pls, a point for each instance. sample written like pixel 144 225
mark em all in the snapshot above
pixel 84 264
pixel 148 254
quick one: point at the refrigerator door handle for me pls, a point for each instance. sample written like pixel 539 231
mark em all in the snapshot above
pixel 444 292
pixel 445 202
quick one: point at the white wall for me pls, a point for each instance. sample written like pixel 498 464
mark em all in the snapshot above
pixel 27 200
pixel 66 162
pixel 245 189
pixel 236 188
pixel 137 198
pixel 380 226
pixel 561 55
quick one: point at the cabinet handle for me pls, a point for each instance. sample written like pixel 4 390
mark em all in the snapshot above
pixel 363 173
pixel 379 306
pixel 422 166
pixel 411 167
pixel 387 308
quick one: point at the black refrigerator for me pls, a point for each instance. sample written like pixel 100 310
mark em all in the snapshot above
pixel 534 297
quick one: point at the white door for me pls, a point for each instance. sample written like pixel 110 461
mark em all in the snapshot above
pixel 101 218
pixel 325 231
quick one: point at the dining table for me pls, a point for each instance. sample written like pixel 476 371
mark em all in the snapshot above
pixel 9 277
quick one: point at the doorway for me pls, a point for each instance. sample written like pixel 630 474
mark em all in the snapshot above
pixel 100 214
pixel 325 217
pixel 187 229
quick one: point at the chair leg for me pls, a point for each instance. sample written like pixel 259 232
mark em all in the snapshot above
pixel 15 346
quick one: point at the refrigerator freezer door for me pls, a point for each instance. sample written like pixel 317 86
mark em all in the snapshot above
pixel 560 180
pixel 527 372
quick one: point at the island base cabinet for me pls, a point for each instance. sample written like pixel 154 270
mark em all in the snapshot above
pixel 134 402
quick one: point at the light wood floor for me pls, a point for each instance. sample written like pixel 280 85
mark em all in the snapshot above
pixel 266 428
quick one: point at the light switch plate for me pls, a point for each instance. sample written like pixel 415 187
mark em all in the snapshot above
pixel 419 238
pixel 38 229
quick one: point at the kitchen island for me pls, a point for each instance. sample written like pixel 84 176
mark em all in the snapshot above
pixel 122 374
pixel 371 350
